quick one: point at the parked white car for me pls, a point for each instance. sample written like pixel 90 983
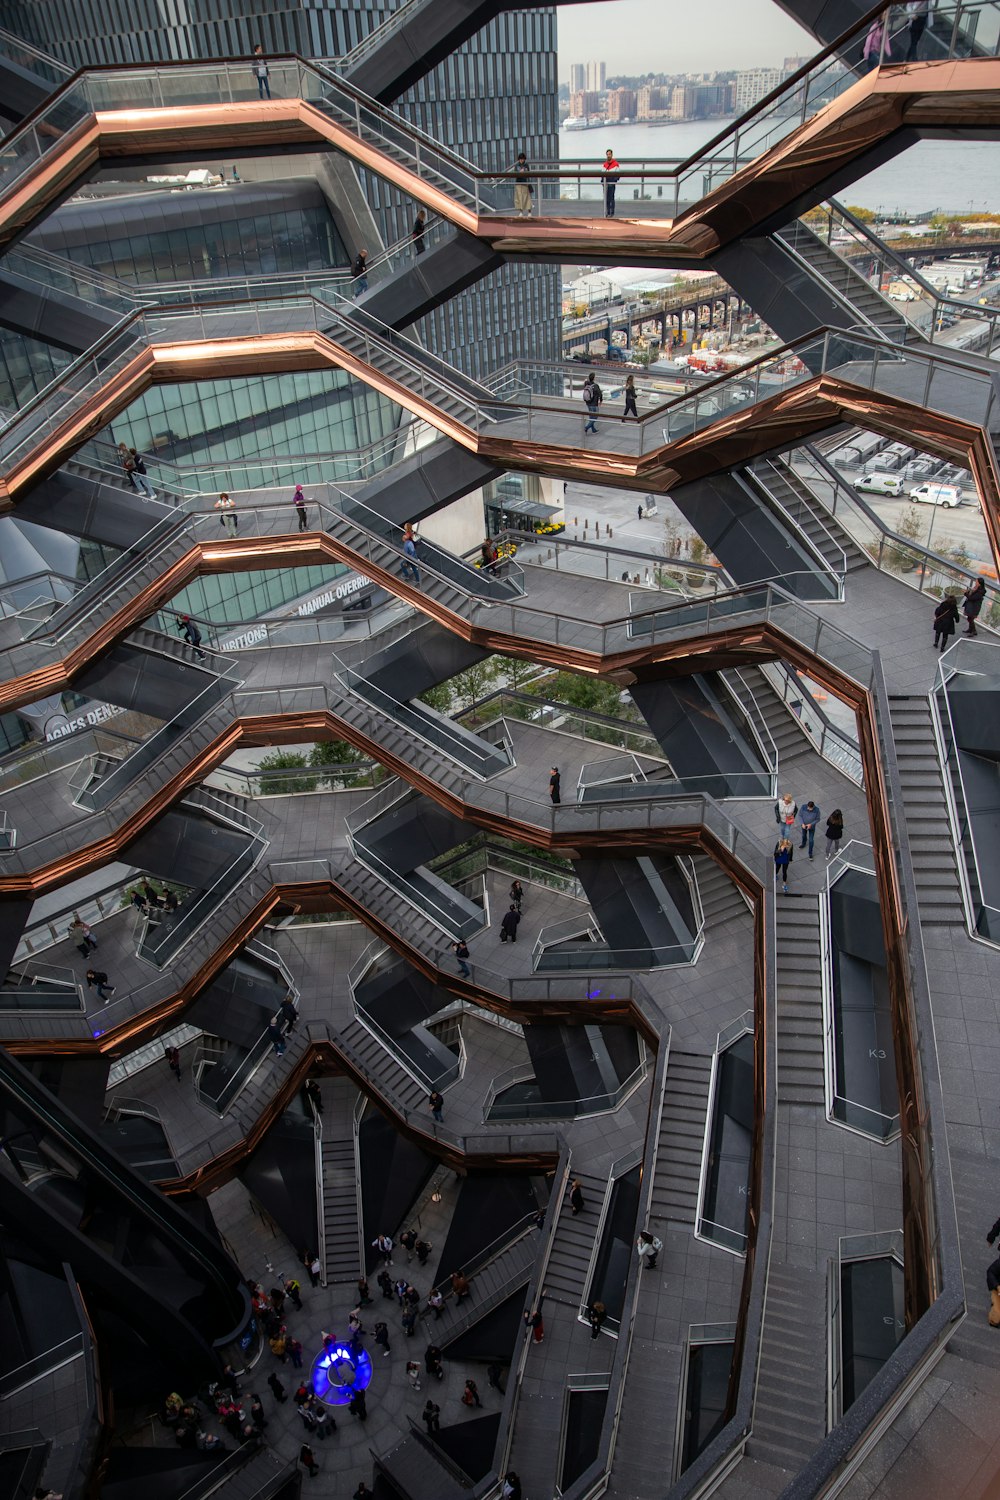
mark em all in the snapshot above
pixel 937 494
pixel 880 484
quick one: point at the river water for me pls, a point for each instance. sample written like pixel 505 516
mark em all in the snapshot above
pixel 956 176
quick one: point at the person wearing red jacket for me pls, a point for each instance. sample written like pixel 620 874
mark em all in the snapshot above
pixel 610 169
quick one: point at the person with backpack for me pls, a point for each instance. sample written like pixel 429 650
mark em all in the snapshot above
pixel 648 1247
pixel 139 476
pixel 592 398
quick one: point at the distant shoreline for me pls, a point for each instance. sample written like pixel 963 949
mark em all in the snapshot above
pixel 716 120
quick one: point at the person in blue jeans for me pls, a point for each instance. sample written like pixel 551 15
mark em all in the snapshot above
pixel 360 273
pixel 809 816
pixel 592 398
pixel 262 74
pixel 461 950
pixel 783 856
pixel 410 553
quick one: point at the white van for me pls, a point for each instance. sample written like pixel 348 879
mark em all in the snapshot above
pixel 937 494
pixel 880 484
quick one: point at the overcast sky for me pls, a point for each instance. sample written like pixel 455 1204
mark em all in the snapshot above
pixel 678 36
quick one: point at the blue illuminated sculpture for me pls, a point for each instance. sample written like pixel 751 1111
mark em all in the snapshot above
pixel 339 1371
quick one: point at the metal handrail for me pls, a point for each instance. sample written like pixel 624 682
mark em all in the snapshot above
pixel 473 1264
pixel 547 1109
pixel 950 664
pixel 840 571
pixel 853 501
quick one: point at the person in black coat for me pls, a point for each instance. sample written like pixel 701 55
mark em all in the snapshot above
pixel 555 786
pixel 973 603
pixel 508 927
pixel 945 620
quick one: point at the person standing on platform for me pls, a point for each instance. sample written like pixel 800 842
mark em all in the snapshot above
pixel 596 1313
pixel 308 1460
pixel 631 409
pixel 783 856
pixel 85 939
pixel 436 1102
pixel 516 893
pixel 262 73
pixel 973 603
pixel 299 501
pixel 555 786
pixel 522 186
pixel 432 1418
pixel 610 169
pixel 508 927
pixel 228 520
pixel 592 396
pixel 808 818
pixel 648 1248
pixel 834 832
pixel 945 620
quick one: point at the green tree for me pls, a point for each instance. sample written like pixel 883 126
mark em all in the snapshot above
pixel 910 527
pixel 334 753
pixel 438 697
pixel 518 672
pixel 475 681
pixel 273 784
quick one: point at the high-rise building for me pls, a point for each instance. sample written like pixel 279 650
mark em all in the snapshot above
pixel 752 84
pixel 577 78
pixel 622 104
pixel 597 76
pixel 585 104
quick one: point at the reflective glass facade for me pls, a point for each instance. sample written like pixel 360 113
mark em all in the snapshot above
pixel 26 365
pixel 321 411
pixel 240 229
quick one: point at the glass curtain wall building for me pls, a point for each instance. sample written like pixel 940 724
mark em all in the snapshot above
pixel 495 96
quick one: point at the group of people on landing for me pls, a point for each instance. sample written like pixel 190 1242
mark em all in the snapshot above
pixel 786 810
pixel 524 188
pixel 946 615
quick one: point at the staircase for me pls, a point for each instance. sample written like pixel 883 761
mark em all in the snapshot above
pixel 452 395
pixel 932 847
pixel 573 1243
pixel 722 901
pixel 785 730
pixel 260 1477
pixel 491 1284
pixel 825 535
pixel 341 1209
pixel 683 1123
pixel 369 1057
pixel 789 1420
pixel 869 305
pixel 801 1074
pixel 417 1470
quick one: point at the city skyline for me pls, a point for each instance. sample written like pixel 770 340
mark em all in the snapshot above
pixel 731 34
